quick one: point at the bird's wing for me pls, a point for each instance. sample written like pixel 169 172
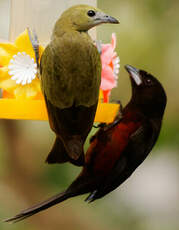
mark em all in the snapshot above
pixel 68 119
pixel 71 129
pixel 142 142
pixel 109 144
pixel 71 72
pixel 66 78
pixel 54 83
pixel 139 145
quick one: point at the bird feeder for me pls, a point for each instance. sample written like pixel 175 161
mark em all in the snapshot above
pixel 21 93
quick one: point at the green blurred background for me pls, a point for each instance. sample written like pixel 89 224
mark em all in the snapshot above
pixel 148 38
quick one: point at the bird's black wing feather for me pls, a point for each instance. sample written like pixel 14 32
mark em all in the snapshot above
pixel 70 124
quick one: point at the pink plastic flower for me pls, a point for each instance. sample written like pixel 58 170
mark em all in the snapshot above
pixel 110 68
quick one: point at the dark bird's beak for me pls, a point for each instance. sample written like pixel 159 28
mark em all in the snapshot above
pixel 112 20
pixel 134 74
pixel 104 18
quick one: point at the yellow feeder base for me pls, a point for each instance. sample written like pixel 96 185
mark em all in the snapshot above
pixel 36 110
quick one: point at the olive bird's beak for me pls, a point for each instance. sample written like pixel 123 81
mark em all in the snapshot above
pixel 101 17
pixel 134 74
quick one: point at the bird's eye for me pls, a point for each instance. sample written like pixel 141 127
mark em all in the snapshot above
pixel 91 13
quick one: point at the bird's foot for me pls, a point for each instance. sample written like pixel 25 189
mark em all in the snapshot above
pixel 111 125
pixel 100 125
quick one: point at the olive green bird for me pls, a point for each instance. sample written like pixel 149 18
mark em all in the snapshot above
pixel 70 71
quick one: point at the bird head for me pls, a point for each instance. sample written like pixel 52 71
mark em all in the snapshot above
pixel 147 91
pixel 84 17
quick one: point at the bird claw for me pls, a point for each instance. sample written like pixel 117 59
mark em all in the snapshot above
pixel 100 125
pixel 111 125
pixel 35 44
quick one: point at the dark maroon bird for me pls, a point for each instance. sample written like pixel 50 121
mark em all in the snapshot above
pixel 117 149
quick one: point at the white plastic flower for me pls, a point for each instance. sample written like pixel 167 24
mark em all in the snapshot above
pixel 22 68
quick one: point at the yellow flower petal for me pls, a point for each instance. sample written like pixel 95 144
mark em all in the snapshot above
pixel 25 92
pixel 7 50
pixel 19 91
pixel 36 84
pixel 23 44
pixel 6 82
pixel 28 91
pixel 9 85
pixel 4 73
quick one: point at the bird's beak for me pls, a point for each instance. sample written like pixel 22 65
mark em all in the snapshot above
pixel 134 73
pixel 101 17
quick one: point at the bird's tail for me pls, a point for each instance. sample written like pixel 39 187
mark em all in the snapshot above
pixel 58 154
pixel 74 147
pixel 40 207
